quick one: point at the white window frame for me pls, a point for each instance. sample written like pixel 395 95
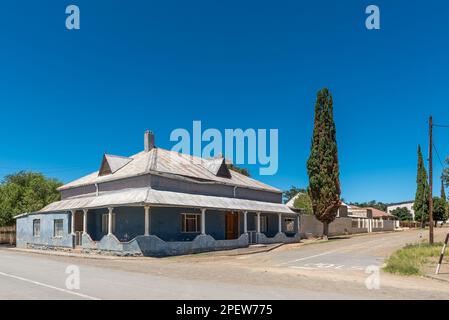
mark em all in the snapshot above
pixel 105 223
pixel 36 222
pixel 289 221
pixel 58 233
pixel 197 217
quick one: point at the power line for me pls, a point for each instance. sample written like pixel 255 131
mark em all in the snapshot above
pixel 438 156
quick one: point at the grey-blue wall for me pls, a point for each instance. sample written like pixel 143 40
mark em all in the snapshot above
pixel 164 223
pixel 46 238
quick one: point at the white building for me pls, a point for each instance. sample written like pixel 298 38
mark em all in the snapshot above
pixel 406 204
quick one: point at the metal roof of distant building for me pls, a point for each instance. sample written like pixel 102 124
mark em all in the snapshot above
pixel 379 213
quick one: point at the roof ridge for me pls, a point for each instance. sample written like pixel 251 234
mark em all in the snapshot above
pixel 116 156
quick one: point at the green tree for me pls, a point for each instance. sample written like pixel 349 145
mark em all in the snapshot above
pixel 304 203
pixel 403 214
pixel 322 166
pixel 439 209
pixel 445 175
pixel 444 201
pixel 25 192
pixel 240 170
pixel 421 205
pixel 293 191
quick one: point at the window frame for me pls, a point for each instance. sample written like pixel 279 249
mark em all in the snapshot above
pixel 184 218
pixel 60 232
pixel 36 222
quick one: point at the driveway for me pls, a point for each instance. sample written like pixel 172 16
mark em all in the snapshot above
pixel 331 270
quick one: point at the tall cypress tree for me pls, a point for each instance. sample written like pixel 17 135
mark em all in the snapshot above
pixel 421 205
pixel 322 166
pixel 444 201
pixel 443 191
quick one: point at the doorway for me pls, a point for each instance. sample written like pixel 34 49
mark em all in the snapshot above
pixel 79 221
pixel 232 225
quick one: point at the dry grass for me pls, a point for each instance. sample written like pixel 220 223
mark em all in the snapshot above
pixel 411 259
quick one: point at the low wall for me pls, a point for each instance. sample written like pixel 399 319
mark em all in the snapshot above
pixel 311 227
pixel 278 238
pixel 154 246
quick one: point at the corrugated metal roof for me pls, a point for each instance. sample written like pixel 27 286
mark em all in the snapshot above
pixel 291 202
pixel 164 161
pixel 141 196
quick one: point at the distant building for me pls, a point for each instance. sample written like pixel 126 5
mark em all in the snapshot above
pixel 405 204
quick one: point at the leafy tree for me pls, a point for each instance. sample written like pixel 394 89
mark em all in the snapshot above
pixel 25 192
pixel 403 214
pixel 240 170
pixel 421 205
pixel 322 166
pixel 293 191
pixel 445 175
pixel 439 210
pixel 304 202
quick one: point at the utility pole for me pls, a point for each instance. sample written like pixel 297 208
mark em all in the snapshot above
pixel 430 181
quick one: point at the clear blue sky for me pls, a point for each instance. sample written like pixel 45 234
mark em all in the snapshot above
pixel 67 97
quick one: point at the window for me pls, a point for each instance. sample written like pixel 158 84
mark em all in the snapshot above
pixel 58 228
pixel 263 224
pixel 289 224
pixel 36 227
pixel 105 222
pixel 191 222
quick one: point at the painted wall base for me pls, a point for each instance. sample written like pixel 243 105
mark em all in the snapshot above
pixel 155 247
pixel 280 237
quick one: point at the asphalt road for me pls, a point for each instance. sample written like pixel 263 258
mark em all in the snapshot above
pixel 332 270
pixel 350 254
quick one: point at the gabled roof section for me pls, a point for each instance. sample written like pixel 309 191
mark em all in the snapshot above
pixel 162 161
pixel 111 164
pixel 218 167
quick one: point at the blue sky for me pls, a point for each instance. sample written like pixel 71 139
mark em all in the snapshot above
pixel 66 97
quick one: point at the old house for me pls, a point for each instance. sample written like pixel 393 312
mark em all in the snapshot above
pixel 158 202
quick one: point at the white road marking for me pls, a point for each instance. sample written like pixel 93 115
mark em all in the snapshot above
pixel 341 250
pixel 316 266
pixel 306 258
pixel 48 286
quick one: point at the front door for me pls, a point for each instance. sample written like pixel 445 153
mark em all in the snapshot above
pixel 232 225
pixel 79 221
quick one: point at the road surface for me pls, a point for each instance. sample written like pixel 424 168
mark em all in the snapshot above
pixel 332 270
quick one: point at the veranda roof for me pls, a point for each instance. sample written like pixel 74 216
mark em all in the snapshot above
pixel 148 196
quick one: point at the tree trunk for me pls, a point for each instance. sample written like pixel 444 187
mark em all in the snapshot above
pixel 325 230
